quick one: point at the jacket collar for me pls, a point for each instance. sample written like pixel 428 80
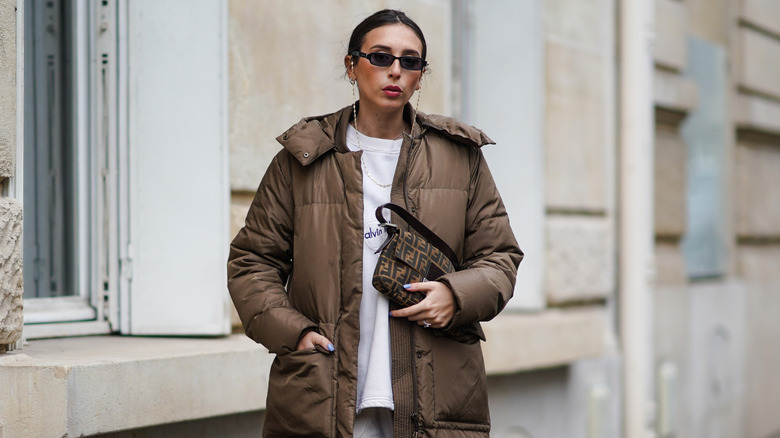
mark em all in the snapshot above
pixel 308 139
pixel 456 130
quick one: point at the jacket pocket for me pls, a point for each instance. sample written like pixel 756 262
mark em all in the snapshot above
pixel 300 395
pixel 460 384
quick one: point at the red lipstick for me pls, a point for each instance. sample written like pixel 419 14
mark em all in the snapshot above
pixel 392 90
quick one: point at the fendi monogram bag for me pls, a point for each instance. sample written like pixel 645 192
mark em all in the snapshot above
pixel 409 257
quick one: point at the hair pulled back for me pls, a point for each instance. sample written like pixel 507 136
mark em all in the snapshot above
pixel 383 18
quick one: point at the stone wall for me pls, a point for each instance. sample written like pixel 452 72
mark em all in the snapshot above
pixel 11 317
pixel 757 204
pixel 7 88
pixel 577 401
pixel 719 330
pixel 580 151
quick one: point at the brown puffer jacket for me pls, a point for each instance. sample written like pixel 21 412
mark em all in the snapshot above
pixel 296 265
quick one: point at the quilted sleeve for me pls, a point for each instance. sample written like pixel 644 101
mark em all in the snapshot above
pixel 490 253
pixel 260 262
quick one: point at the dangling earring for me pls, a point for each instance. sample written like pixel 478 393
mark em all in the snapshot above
pixel 419 92
pixel 416 105
pixel 354 99
pixel 353 81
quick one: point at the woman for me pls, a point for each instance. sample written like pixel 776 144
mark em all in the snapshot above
pixel 348 362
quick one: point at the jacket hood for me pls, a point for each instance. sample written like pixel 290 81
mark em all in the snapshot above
pixel 308 139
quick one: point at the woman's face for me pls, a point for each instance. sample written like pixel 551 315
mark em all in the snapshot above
pixel 385 90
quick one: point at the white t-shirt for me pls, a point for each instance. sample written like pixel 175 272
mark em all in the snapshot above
pixel 374 385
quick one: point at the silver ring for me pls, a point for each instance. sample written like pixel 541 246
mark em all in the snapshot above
pixel 426 324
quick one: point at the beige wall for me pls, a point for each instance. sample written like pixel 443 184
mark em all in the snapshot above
pixel 7 88
pixel 580 150
pixel 10 209
pixel 287 62
pixel 757 204
pixel 748 32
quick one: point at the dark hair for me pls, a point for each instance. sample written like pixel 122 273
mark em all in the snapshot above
pixel 379 19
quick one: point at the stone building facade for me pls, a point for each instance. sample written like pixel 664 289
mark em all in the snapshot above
pixel 716 156
pixel 544 79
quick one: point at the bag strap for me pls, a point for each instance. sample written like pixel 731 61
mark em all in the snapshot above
pixel 418 226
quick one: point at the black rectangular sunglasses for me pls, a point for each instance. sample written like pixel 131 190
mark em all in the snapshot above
pixel 380 59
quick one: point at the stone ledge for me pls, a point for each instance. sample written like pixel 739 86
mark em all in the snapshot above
pixel 761 14
pixel 522 342
pixel 758 114
pixel 759 69
pixel 90 385
pixel 674 92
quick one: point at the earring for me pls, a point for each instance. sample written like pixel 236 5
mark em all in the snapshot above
pixel 416 105
pixel 354 99
pixel 353 81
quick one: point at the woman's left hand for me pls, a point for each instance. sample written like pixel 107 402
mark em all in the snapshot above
pixel 436 309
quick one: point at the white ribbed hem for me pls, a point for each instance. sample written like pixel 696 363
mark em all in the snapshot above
pixel 376 402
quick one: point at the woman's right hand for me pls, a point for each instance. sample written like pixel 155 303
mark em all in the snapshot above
pixel 313 339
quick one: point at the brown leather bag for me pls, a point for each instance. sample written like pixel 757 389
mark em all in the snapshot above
pixel 409 257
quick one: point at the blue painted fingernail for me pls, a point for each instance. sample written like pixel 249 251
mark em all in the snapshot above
pixel 390 313
pixel 330 347
pixel 407 286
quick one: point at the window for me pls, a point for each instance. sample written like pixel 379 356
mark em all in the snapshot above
pixel 126 193
pixel 70 168
pixel 50 152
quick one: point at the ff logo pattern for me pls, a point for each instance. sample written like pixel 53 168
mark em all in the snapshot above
pixel 408 258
